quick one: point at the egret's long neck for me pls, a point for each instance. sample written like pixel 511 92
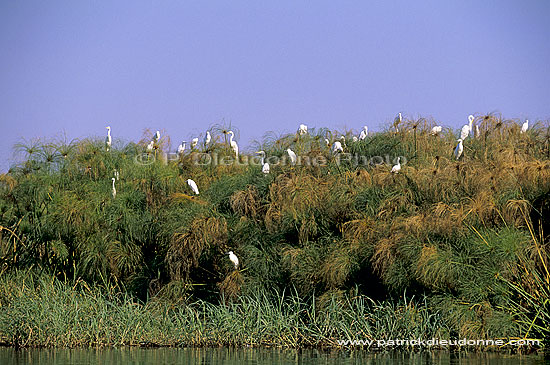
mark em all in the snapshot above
pixel 113 184
pixel 263 159
pixel 109 132
pixel 231 138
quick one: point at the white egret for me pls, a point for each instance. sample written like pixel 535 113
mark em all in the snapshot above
pixel 193 186
pixel 477 131
pixel 302 130
pixel 459 149
pixel 364 133
pixel 194 142
pixel 464 132
pixel 265 165
pixel 181 148
pixel 150 146
pixel 396 168
pixel 234 259
pixel 354 139
pixel 327 142
pixel 524 126
pixel 233 144
pixel 108 139
pixel 156 137
pixel 397 121
pixel 436 130
pixel 337 147
pixel 116 174
pixel 207 139
pixel 114 189
pixel 292 156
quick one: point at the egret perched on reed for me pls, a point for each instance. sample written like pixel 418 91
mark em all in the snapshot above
pixel 194 142
pixel 337 147
pixel 108 139
pixel 467 128
pixel 397 121
pixel 292 156
pixel 233 144
pixel 156 137
pixel 265 165
pixel 302 130
pixel 207 139
pixel 397 167
pixel 364 133
pixel 114 189
pixel 459 149
pixel 193 186
pixel 524 126
pixel 436 130
pixel 234 259
pixel 150 146
pixel 181 148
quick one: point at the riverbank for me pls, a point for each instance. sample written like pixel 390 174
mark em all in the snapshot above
pixel 41 311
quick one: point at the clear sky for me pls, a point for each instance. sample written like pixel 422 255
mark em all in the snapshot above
pixel 75 66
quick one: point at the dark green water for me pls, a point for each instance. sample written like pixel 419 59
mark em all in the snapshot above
pixel 249 356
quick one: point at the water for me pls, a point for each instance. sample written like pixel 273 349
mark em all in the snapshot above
pixel 250 356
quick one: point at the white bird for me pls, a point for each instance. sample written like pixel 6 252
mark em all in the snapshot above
pixel 302 130
pixel 364 133
pixel 150 146
pixel 524 126
pixel 354 139
pixel 156 137
pixel 464 132
pixel 114 189
pixel 181 148
pixel 207 139
pixel 477 131
pixel 194 142
pixel 233 144
pixel 116 175
pixel 234 259
pixel 397 121
pixel 436 130
pixel 265 165
pixel 459 148
pixel 108 139
pixel 193 186
pixel 292 156
pixel 337 147
pixel 396 168
pixel 327 142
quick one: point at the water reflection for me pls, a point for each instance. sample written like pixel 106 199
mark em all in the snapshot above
pixel 251 356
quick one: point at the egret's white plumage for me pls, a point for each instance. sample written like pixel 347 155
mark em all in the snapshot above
pixel 464 132
pixel 459 149
pixel 265 165
pixel 364 133
pixel 193 186
pixel 114 189
pixel 397 167
pixel 302 130
pixel 292 156
pixel 194 142
pixel 150 146
pixel 436 130
pixel 337 147
pixel 115 172
pixel 478 133
pixel 524 126
pixel 108 139
pixel 327 142
pixel 233 144
pixel 156 137
pixel 354 139
pixel 207 139
pixel 181 148
pixel 234 259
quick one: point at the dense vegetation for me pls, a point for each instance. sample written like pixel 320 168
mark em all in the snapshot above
pixel 468 236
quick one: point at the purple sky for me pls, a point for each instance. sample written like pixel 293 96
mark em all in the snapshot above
pixel 75 66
